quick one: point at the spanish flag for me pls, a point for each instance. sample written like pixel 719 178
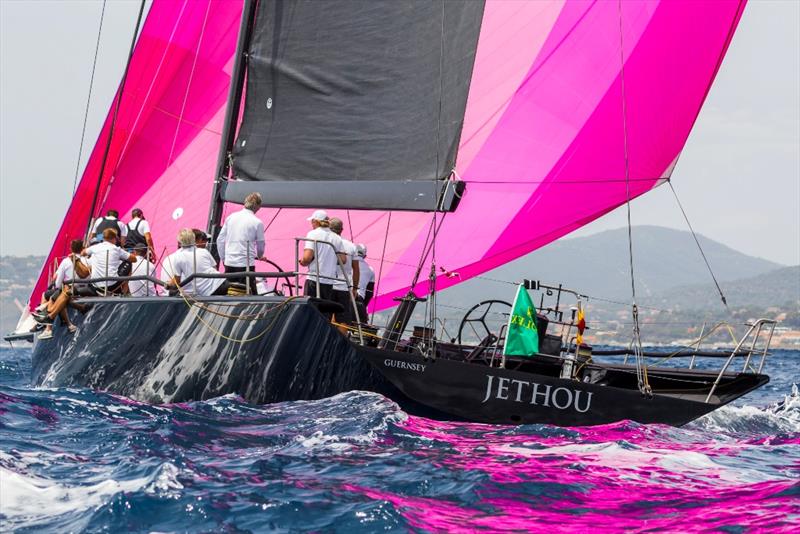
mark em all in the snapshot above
pixel 581 323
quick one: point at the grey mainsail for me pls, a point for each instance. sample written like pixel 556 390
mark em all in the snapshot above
pixel 355 104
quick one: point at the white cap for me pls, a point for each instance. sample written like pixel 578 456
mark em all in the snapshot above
pixel 361 250
pixel 319 215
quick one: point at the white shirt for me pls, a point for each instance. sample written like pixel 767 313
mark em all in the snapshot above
pixel 144 226
pixel 65 271
pixel 241 238
pixel 106 258
pixel 122 227
pixel 142 288
pixel 180 264
pixel 346 270
pixel 366 277
pixel 325 255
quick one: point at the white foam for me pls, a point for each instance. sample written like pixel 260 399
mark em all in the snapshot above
pixel 781 417
pixel 29 496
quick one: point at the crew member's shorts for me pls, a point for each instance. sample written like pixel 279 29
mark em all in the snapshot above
pixel 325 290
pixel 52 294
pixel 112 289
pixel 343 298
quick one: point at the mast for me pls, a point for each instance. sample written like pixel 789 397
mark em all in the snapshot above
pixel 231 116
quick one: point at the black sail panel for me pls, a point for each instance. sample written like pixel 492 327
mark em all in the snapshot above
pixel 366 95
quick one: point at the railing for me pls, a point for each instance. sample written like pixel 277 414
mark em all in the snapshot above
pixel 753 332
pixel 345 278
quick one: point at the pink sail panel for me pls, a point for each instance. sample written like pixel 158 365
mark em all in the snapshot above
pixel 573 108
pixel 546 154
pixel 167 135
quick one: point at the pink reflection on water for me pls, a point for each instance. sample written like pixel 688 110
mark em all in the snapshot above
pixel 613 477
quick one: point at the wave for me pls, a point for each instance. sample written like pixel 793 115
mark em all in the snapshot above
pixel 74 459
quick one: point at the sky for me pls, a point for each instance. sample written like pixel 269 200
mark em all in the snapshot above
pixel 738 176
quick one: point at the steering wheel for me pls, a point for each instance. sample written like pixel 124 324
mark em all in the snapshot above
pixel 281 285
pixel 485 319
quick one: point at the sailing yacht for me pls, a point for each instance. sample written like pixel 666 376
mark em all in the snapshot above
pixel 453 137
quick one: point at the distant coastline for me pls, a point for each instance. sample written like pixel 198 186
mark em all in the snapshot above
pixel 674 291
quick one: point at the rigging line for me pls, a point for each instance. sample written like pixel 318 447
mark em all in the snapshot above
pixel 114 118
pixel 700 248
pixel 273 219
pixel 641 370
pixel 350 224
pixel 88 99
pixel 380 269
pixel 441 96
pixel 430 302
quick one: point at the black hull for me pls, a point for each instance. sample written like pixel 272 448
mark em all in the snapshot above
pixel 504 396
pixel 162 350
pixel 159 350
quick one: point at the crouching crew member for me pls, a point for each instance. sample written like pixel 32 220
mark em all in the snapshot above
pixel 143 267
pixel 188 260
pixel 56 300
pixel 321 259
pixel 345 287
pixel 241 241
pixel 108 260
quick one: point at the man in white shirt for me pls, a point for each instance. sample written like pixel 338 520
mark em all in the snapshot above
pixel 143 267
pixel 56 300
pixel 106 258
pixel 320 257
pixel 111 220
pixel 345 287
pixel 138 233
pixel 366 281
pixel 186 261
pixel 241 241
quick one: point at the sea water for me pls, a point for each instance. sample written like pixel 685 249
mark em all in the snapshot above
pixel 79 460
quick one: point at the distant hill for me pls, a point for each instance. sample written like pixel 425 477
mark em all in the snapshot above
pixel 598 265
pixel 780 287
pixel 670 274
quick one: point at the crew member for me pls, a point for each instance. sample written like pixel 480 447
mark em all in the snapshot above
pixel 322 254
pixel 366 281
pixel 111 220
pixel 188 260
pixel 241 241
pixel 56 300
pixel 200 238
pixel 138 233
pixel 143 267
pixel 106 259
pixel 345 287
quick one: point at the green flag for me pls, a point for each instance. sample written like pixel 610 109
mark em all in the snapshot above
pixel 522 336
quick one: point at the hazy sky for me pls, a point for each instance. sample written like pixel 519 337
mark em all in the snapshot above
pixel 738 177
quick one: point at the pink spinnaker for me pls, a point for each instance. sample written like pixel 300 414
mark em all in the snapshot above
pixel 574 106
